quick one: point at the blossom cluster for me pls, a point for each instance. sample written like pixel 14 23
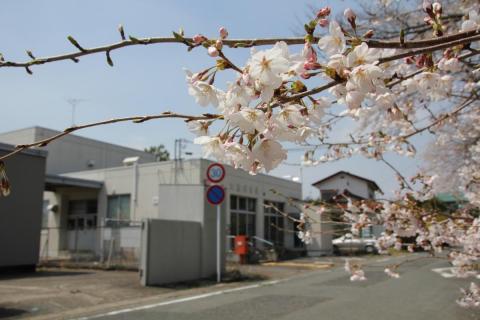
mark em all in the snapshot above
pixel 389 95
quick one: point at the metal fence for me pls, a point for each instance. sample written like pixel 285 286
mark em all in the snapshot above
pixel 115 244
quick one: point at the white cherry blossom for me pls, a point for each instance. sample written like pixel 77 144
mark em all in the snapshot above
pixel 199 127
pixel 239 155
pixel 267 66
pixel 204 93
pixel 334 42
pixel 269 154
pixel 472 23
pixel 452 64
pixel 211 146
pixel 366 78
pixel 249 120
pixel 362 54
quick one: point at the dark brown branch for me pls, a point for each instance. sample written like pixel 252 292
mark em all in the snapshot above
pixel 458 38
pixel 134 119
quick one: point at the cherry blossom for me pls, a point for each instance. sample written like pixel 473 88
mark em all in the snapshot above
pixel 333 43
pixel 355 271
pixel 212 146
pixel 472 23
pixel 204 93
pixel 391 273
pixel 471 296
pixel 269 154
pixel 249 120
pixel 199 127
pixel 362 55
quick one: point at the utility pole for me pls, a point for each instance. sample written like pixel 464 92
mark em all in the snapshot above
pixel 178 149
pixel 73 102
pixel 178 153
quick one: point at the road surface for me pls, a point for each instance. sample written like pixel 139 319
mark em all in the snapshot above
pixel 420 293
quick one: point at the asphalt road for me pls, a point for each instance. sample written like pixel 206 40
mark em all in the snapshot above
pixel 419 294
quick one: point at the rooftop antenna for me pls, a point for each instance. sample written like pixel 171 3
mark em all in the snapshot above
pixel 73 102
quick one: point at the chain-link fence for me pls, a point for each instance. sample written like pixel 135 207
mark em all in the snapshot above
pixel 115 244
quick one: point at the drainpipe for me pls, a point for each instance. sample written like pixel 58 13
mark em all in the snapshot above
pixel 135 189
pixel 133 161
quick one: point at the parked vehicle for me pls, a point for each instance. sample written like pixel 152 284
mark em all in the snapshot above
pixel 349 244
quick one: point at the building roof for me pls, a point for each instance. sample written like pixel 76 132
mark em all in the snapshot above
pixel 41 130
pixel 33 152
pixel 53 181
pixel 372 183
pixel 450 197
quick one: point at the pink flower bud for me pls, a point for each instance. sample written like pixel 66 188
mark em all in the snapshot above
pixel 369 34
pixel 410 60
pixel 421 61
pixel 437 8
pixel 305 75
pixel 311 65
pixel 349 15
pixel 427 6
pixel 246 79
pixel 428 20
pixel 324 12
pixel 212 52
pixel 448 53
pixel 323 22
pixel 309 53
pixel 198 38
pixel 223 33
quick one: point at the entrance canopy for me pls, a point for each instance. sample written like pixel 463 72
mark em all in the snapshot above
pixel 52 182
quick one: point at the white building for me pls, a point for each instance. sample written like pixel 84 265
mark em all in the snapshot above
pixel 172 190
pixel 343 182
pixel 103 192
pixel 333 186
pixel 75 153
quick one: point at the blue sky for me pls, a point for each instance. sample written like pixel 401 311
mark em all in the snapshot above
pixel 145 80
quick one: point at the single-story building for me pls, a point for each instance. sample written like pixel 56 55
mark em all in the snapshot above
pixel 92 208
pixel 21 211
pixel 332 188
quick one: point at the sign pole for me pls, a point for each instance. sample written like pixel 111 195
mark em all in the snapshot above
pixel 219 272
pixel 215 196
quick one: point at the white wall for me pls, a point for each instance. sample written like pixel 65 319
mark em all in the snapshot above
pixel 162 194
pixel 354 185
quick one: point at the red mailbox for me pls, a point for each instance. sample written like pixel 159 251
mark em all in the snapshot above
pixel 241 245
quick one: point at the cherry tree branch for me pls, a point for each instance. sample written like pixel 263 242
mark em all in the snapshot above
pixel 445 41
pixel 134 119
pixel 399 174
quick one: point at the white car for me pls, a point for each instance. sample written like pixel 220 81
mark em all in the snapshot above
pixel 350 244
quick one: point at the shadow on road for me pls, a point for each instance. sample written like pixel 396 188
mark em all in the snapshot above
pixel 40 274
pixel 10 312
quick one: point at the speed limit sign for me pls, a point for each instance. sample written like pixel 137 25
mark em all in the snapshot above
pixel 215 172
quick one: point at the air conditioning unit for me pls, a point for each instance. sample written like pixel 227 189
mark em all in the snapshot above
pixel 130 161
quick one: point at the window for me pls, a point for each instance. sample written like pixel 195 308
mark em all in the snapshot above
pixel 82 214
pixel 118 212
pixel 328 195
pixel 242 216
pixel 88 206
pixel 274 222
pixel 366 232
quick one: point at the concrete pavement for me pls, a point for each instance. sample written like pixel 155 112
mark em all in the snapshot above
pixel 324 294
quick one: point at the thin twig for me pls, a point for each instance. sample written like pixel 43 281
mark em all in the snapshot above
pixel 134 119
pixel 445 41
